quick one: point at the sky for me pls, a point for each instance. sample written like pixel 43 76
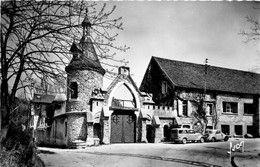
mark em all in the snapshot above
pixel 186 31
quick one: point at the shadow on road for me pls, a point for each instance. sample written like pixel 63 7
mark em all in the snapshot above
pixel 45 152
pixel 183 161
pixel 217 148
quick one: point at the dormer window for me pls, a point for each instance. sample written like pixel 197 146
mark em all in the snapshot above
pixel 74 90
pixel 76 55
pixel 164 87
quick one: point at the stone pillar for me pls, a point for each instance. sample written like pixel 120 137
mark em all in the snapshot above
pixel 106 131
pixel 90 132
pixel 158 134
pixel 143 129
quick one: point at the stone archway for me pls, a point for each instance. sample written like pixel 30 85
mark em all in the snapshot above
pixel 131 89
pixel 123 102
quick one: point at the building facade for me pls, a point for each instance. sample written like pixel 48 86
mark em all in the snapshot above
pixel 230 97
pixel 172 94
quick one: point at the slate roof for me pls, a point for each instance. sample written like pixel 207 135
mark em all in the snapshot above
pixel 87 60
pixel 190 75
pixel 39 98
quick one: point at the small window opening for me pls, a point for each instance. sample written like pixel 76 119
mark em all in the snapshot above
pixel 74 90
pixel 66 128
pixel 164 87
pixel 185 107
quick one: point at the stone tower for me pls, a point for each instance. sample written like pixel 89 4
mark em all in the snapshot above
pixel 84 74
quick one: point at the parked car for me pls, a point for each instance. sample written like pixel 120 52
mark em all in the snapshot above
pixel 184 135
pixel 215 135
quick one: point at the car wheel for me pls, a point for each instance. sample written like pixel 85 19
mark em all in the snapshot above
pixel 184 140
pixel 202 140
pixel 226 138
pixel 213 139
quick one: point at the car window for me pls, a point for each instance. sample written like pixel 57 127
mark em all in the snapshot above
pixel 218 132
pixel 191 131
pixel 186 126
pixel 183 131
pixel 209 132
pixel 180 131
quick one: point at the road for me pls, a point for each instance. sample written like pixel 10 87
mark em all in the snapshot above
pixel 153 155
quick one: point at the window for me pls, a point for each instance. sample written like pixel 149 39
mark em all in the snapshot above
pixel 32 121
pixel 229 107
pixel 248 108
pixel 42 122
pixel 74 90
pixel 238 129
pixel 191 131
pixel 250 130
pixel 182 132
pixel 186 126
pixel 164 87
pixel 185 108
pixel 209 109
pixel 66 128
pixel 225 129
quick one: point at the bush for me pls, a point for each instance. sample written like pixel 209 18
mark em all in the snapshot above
pixel 17 148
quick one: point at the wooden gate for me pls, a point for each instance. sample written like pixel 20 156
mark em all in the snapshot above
pixel 123 128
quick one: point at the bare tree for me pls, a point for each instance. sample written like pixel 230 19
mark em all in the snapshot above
pixel 253 36
pixel 36 38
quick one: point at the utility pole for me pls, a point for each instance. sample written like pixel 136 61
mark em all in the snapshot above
pixel 205 76
pixel 204 95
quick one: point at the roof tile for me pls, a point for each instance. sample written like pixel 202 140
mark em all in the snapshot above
pixel 190 75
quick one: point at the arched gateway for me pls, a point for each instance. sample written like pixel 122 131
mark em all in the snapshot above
pixel 124 104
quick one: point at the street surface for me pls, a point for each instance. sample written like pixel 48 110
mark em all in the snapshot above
pixel 154 155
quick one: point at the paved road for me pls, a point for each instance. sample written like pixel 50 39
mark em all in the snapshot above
pixel 153 155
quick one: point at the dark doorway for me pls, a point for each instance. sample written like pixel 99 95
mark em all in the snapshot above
pixel 166 132
pixel 150 133
pixel 123 125
pixel 97 131
pixel 238 130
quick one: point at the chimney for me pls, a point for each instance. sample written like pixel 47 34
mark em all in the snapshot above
pixel 124 70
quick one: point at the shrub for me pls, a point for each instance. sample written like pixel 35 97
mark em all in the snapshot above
pixel 17 148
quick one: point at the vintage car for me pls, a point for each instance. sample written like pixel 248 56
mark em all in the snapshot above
pixel 185 135
pixel 215 135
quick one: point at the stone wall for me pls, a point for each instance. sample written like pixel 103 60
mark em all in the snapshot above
pixel 58 132
pixel 106 131
pixel 141 132
pixel 233 119
pixel 158 135
pixel 76 126
pixel 87 81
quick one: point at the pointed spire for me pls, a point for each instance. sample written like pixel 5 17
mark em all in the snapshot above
pixel 86 25
pixel 84 54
